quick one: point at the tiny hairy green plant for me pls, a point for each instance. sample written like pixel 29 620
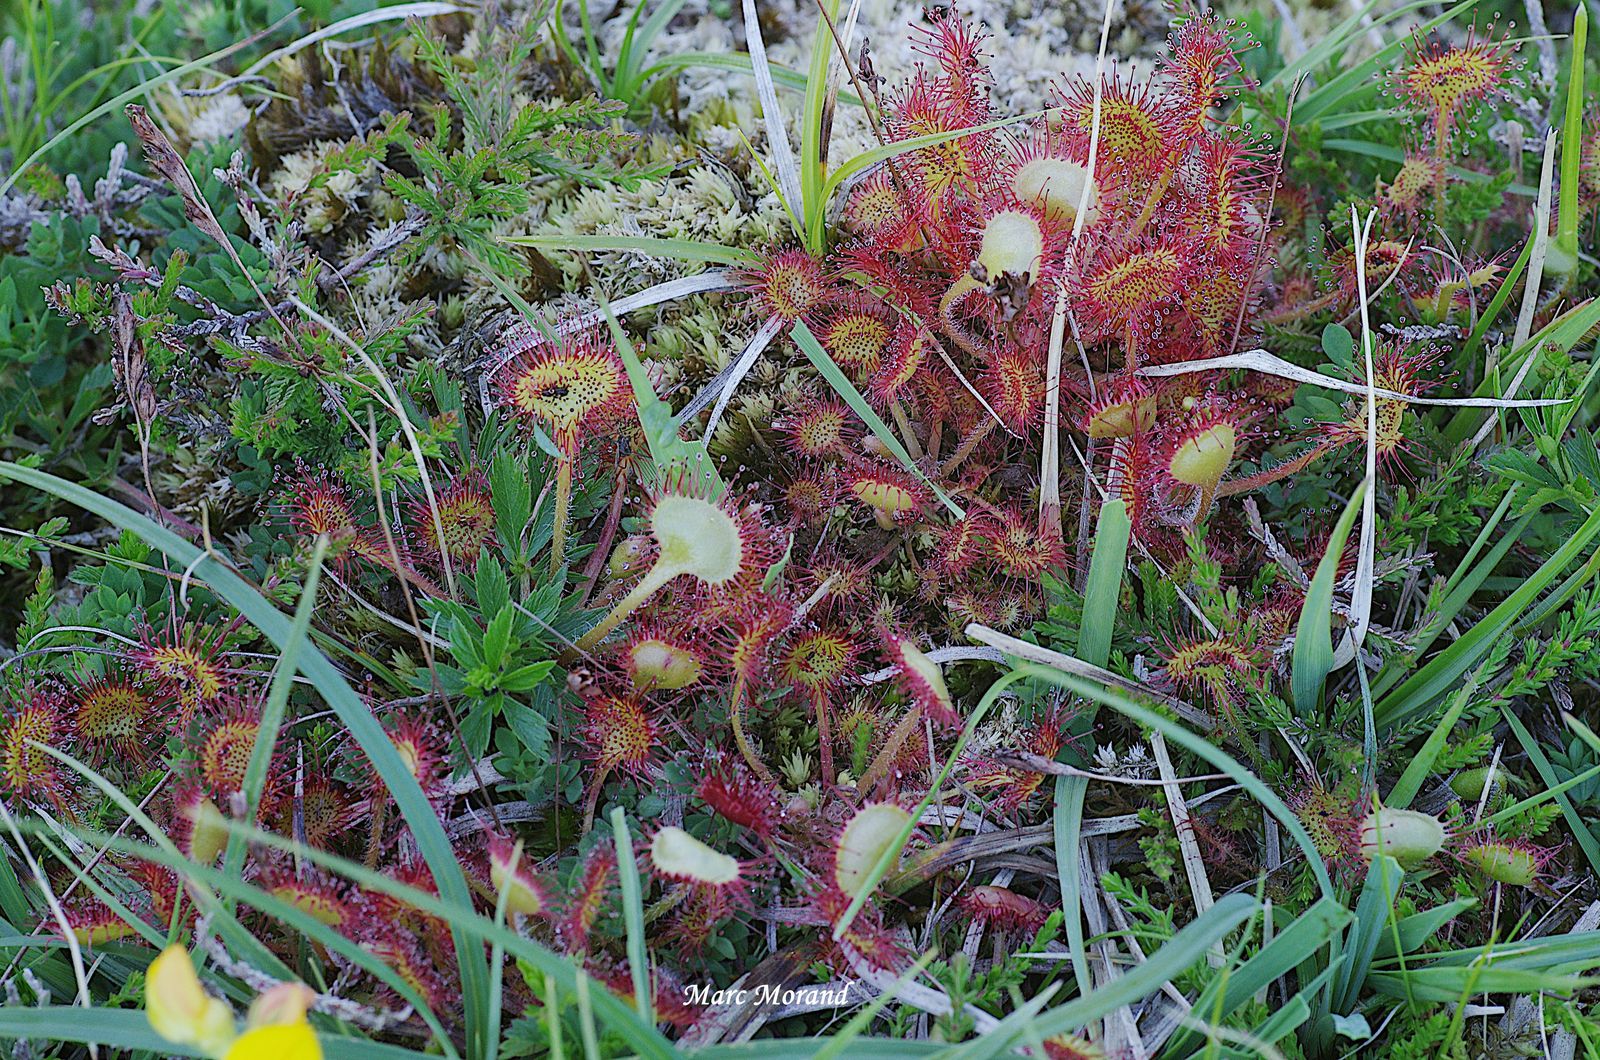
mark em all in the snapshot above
pixel 476 177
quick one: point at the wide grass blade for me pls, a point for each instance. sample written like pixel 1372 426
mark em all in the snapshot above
pixel 1185 948
pixel 1104 587
pixel 1565 256
pixel 1418 928
pixel 1288 949
pixel 1068 831
pixel 1374 914
pixel 1313 657
pixel 130 1030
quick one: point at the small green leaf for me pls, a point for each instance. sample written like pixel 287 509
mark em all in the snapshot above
pixel 512 496
pixel 497 638
pixel 1339 345
pixel 490 585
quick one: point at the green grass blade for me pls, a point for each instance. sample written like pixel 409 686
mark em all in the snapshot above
pixel 1452 984
pixel 1068 831
pixel 1288 949
pixel 667 448
pixel 1541 764
pixel 255 773
pixel 122 99
pixel 1455 600
pixel 1564 256
pixel 636 44
pixel 736 62
pixel 1418 928
pixel 1442 672
pixel 1313 638
pixel 845 389
pixel 882 153
pixel 813 204
pixel 1103 590
pixel 1405 789
pixel 1356 80
pixel 1374 912
pixel 845 1036
pixel 1185 948
pixel 633 914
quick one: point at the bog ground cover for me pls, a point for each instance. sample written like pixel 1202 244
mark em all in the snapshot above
pixel 798 529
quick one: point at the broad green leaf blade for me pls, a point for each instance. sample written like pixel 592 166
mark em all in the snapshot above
pixel 1313 638
pixel 128 1030
pixel 1104 588
pixel 1374 916
pixel 1288 949
pixel 1418 928
pixel 1068 830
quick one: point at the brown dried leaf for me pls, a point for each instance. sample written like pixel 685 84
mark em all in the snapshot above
pixel 129 364
pixel 160 153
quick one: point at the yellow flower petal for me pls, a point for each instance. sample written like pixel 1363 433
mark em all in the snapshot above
pixel 283 1005
pixel 178 1007
pixel 294 1041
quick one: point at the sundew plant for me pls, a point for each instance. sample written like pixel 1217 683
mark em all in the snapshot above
pixel 795 529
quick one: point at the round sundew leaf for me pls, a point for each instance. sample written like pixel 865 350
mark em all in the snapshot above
pixel 509 873
pixel 696 537
pixel 680 856
pixel 1504 863
pixel 1202 459
pixel 926 671
pixel 870 832
pixel 1055 185
pixel 208 834
pixel 1012 243
pixel 1408 836
pixel 658 665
